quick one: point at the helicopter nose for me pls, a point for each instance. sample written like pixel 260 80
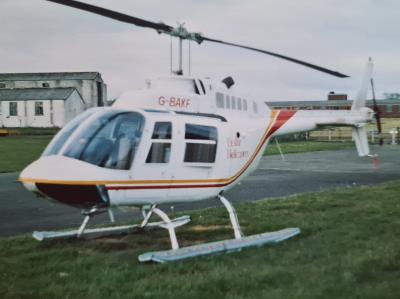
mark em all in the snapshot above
pixel 26 177
pixel 65 180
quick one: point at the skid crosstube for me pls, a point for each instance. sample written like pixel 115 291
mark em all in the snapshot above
pixel 219 246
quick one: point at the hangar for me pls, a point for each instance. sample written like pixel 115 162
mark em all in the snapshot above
pixel 39 107
pixel 48 99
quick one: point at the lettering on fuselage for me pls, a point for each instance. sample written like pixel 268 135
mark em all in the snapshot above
pixel 233 151
pixel 175 102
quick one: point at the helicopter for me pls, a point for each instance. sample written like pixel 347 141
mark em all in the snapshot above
pixel 182 139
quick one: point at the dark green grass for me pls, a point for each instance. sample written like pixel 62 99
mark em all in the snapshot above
pixel 349 248
pixel 38 131
pixel 305 146
pixel 16 152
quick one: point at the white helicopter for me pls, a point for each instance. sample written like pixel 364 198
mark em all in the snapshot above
pixel 182 139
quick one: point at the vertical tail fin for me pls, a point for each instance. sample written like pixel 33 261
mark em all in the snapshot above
pixel 360 101
pixel 361 97
pixel 361 140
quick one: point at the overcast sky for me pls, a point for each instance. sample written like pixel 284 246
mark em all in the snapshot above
pixel 40 36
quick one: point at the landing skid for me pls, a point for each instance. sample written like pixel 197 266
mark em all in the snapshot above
pixel 176 253
pixel 84 232
pixel 219 246
pixel 236 244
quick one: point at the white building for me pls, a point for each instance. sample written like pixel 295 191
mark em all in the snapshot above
pixel 39 107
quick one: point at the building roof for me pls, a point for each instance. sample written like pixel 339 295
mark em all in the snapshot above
pixel 35 94
pixel 49 76
pixel 325 103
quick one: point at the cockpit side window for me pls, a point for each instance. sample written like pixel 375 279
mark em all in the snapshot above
pixel 59 140
pixel 110 141
pixel 160 150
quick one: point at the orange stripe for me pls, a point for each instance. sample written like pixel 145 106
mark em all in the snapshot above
pixel 278 118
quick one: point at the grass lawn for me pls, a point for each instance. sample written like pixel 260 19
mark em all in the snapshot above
pixel 305 146
pixel 349 248
pixel 16 152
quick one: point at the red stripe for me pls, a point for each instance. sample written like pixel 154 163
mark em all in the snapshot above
pixel 283 117
pixel 164 187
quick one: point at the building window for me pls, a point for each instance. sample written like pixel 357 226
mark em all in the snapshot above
pixel 45 84
pixel 160 150
pixel 389 108
pixel 38 108
pixel 2 85
pixel 201 143
pixel 233 103
pixel 220 100
pixel 244 105
pixel 13 109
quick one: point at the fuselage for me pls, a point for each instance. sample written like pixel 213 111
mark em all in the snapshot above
pixel 181 140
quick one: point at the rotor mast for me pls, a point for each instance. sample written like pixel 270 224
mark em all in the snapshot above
pixel 181 33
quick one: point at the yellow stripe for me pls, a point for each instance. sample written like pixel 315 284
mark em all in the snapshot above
pixel 274 115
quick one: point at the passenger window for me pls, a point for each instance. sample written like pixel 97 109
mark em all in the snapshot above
pixel 233 103
pixel 239 103
pixel 162 130
pixel 160 149
pixel 220 100
pixel 201 143
pixel 159 153
pixel 244 105
pixel 227 102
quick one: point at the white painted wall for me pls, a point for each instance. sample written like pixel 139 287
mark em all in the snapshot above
pixel 12 121
pixel 38 120
pixel 58 116
pixel 58 113
pixel 87 88
pixel 73 106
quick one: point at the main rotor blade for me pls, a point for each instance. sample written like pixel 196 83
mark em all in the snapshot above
pixel 181 32
pixel 306 64
pixel 114 15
